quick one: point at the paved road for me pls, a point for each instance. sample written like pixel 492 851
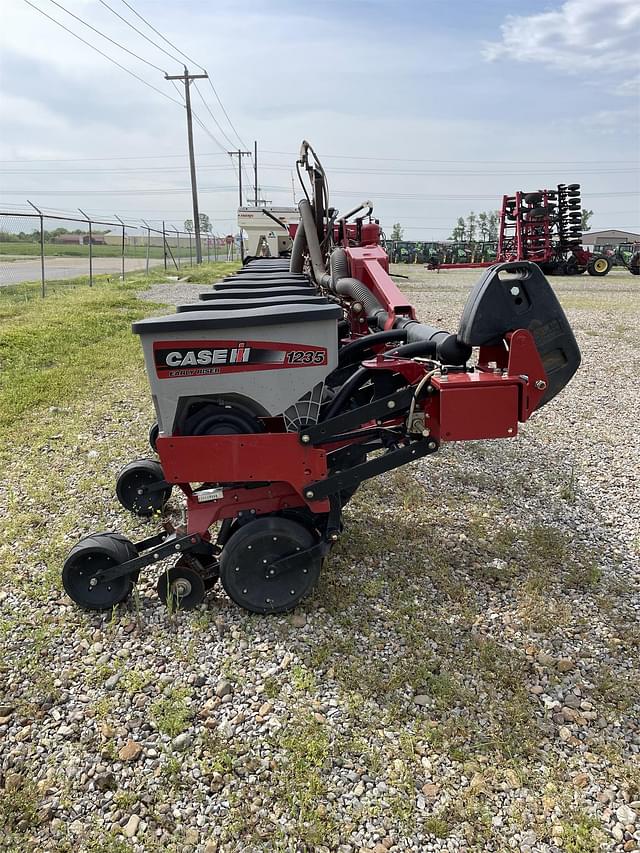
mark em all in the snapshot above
pixel 28 269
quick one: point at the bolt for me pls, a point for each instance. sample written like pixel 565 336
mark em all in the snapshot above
pixel 510 430
pixel 93 582
pixel 541 384
pixel 178 546
pixel 272 572
pixel 334 537
pixel 391 404
pixel 515 291
pixel 432 445
pixel 156 556
pixel 309 494
pixel 305 439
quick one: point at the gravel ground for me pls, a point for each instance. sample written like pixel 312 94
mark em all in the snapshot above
pixel 465 677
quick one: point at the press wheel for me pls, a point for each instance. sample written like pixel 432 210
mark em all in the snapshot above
pixel 181 586
pixel 130 488
pixel 91 555
pixel 154 433
pixel 249 552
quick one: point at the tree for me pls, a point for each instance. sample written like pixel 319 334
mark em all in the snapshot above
pixel 188 225
pixel 471 227
pixel 493 220
pixel 397 231
pixel 458 232
pixel 205 223
pixel 483 226
pixel 586 216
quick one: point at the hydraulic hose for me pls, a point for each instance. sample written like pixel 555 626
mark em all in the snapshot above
pixel 354 351
pixel 296 262
pixel 320 273
pixel 346 391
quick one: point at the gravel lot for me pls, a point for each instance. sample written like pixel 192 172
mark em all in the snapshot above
pixel 465 677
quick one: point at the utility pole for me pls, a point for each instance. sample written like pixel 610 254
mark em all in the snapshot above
pixel 255 170
pixel 186 79
pixel 240 154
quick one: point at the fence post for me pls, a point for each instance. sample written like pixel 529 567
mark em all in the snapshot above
pixel 148 245
pixel 208 248
pixel 190 251
pixel 177 245
pixel 90 247
pixel 121 223
pixel 39 212
pixel 164 245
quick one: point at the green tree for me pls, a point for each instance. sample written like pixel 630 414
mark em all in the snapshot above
pixel 586 216
pixel 188 225
pixel 397 231
pixel 483 225
pixel 458 232
pixel 471 226
pixel 493 220
pixel 205 223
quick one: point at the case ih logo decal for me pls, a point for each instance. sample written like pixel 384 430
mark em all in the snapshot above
pixel 176 359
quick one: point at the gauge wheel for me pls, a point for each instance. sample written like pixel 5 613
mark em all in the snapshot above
pixel 131 488
pixel 154 432
pixel 247 556
pixel 95 553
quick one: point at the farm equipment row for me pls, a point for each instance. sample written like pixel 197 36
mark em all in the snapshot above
pixel 544 227
pixel 291 383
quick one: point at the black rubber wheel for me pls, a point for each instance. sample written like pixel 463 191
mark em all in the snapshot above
pixel 154 432
pixel 216 419
pixel 573 186
pixel 247 555
pixel 598 266
pixel 533 198
pixel 93 554
pixel 571 267
pixel 538 213
pixel 181 587
pixel 132 479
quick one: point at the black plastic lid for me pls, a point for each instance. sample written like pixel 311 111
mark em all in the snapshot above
pixel 253 292
pixel 273 315
pixel 245 304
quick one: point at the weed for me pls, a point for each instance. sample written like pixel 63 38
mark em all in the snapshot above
pixel 172 714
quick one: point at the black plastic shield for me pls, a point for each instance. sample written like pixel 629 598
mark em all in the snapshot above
pixel 516 295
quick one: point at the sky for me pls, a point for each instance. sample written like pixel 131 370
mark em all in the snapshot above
pixel 430 109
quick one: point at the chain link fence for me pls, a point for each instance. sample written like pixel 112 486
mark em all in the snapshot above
pixel 41 252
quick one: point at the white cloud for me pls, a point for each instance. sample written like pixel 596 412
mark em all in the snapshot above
pixel 582 37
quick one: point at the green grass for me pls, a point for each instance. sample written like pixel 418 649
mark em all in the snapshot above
pixel 55 349
pixel 61 250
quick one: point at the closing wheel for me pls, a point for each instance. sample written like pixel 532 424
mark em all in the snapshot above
pixel 90 556
pixel 154 432
pixel 131 491
pixel 181 587
pixel 245 561
pixel 598 266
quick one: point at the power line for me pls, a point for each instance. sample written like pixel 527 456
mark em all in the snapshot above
pixel 164 38
pixel 287 189
pixel 208 132
pixel 107 159
pixel 208 109
pixel 243 144
pixel 184 55
pixel 409 160
pixel 97 50
pixel 108 38
pixel 129 24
